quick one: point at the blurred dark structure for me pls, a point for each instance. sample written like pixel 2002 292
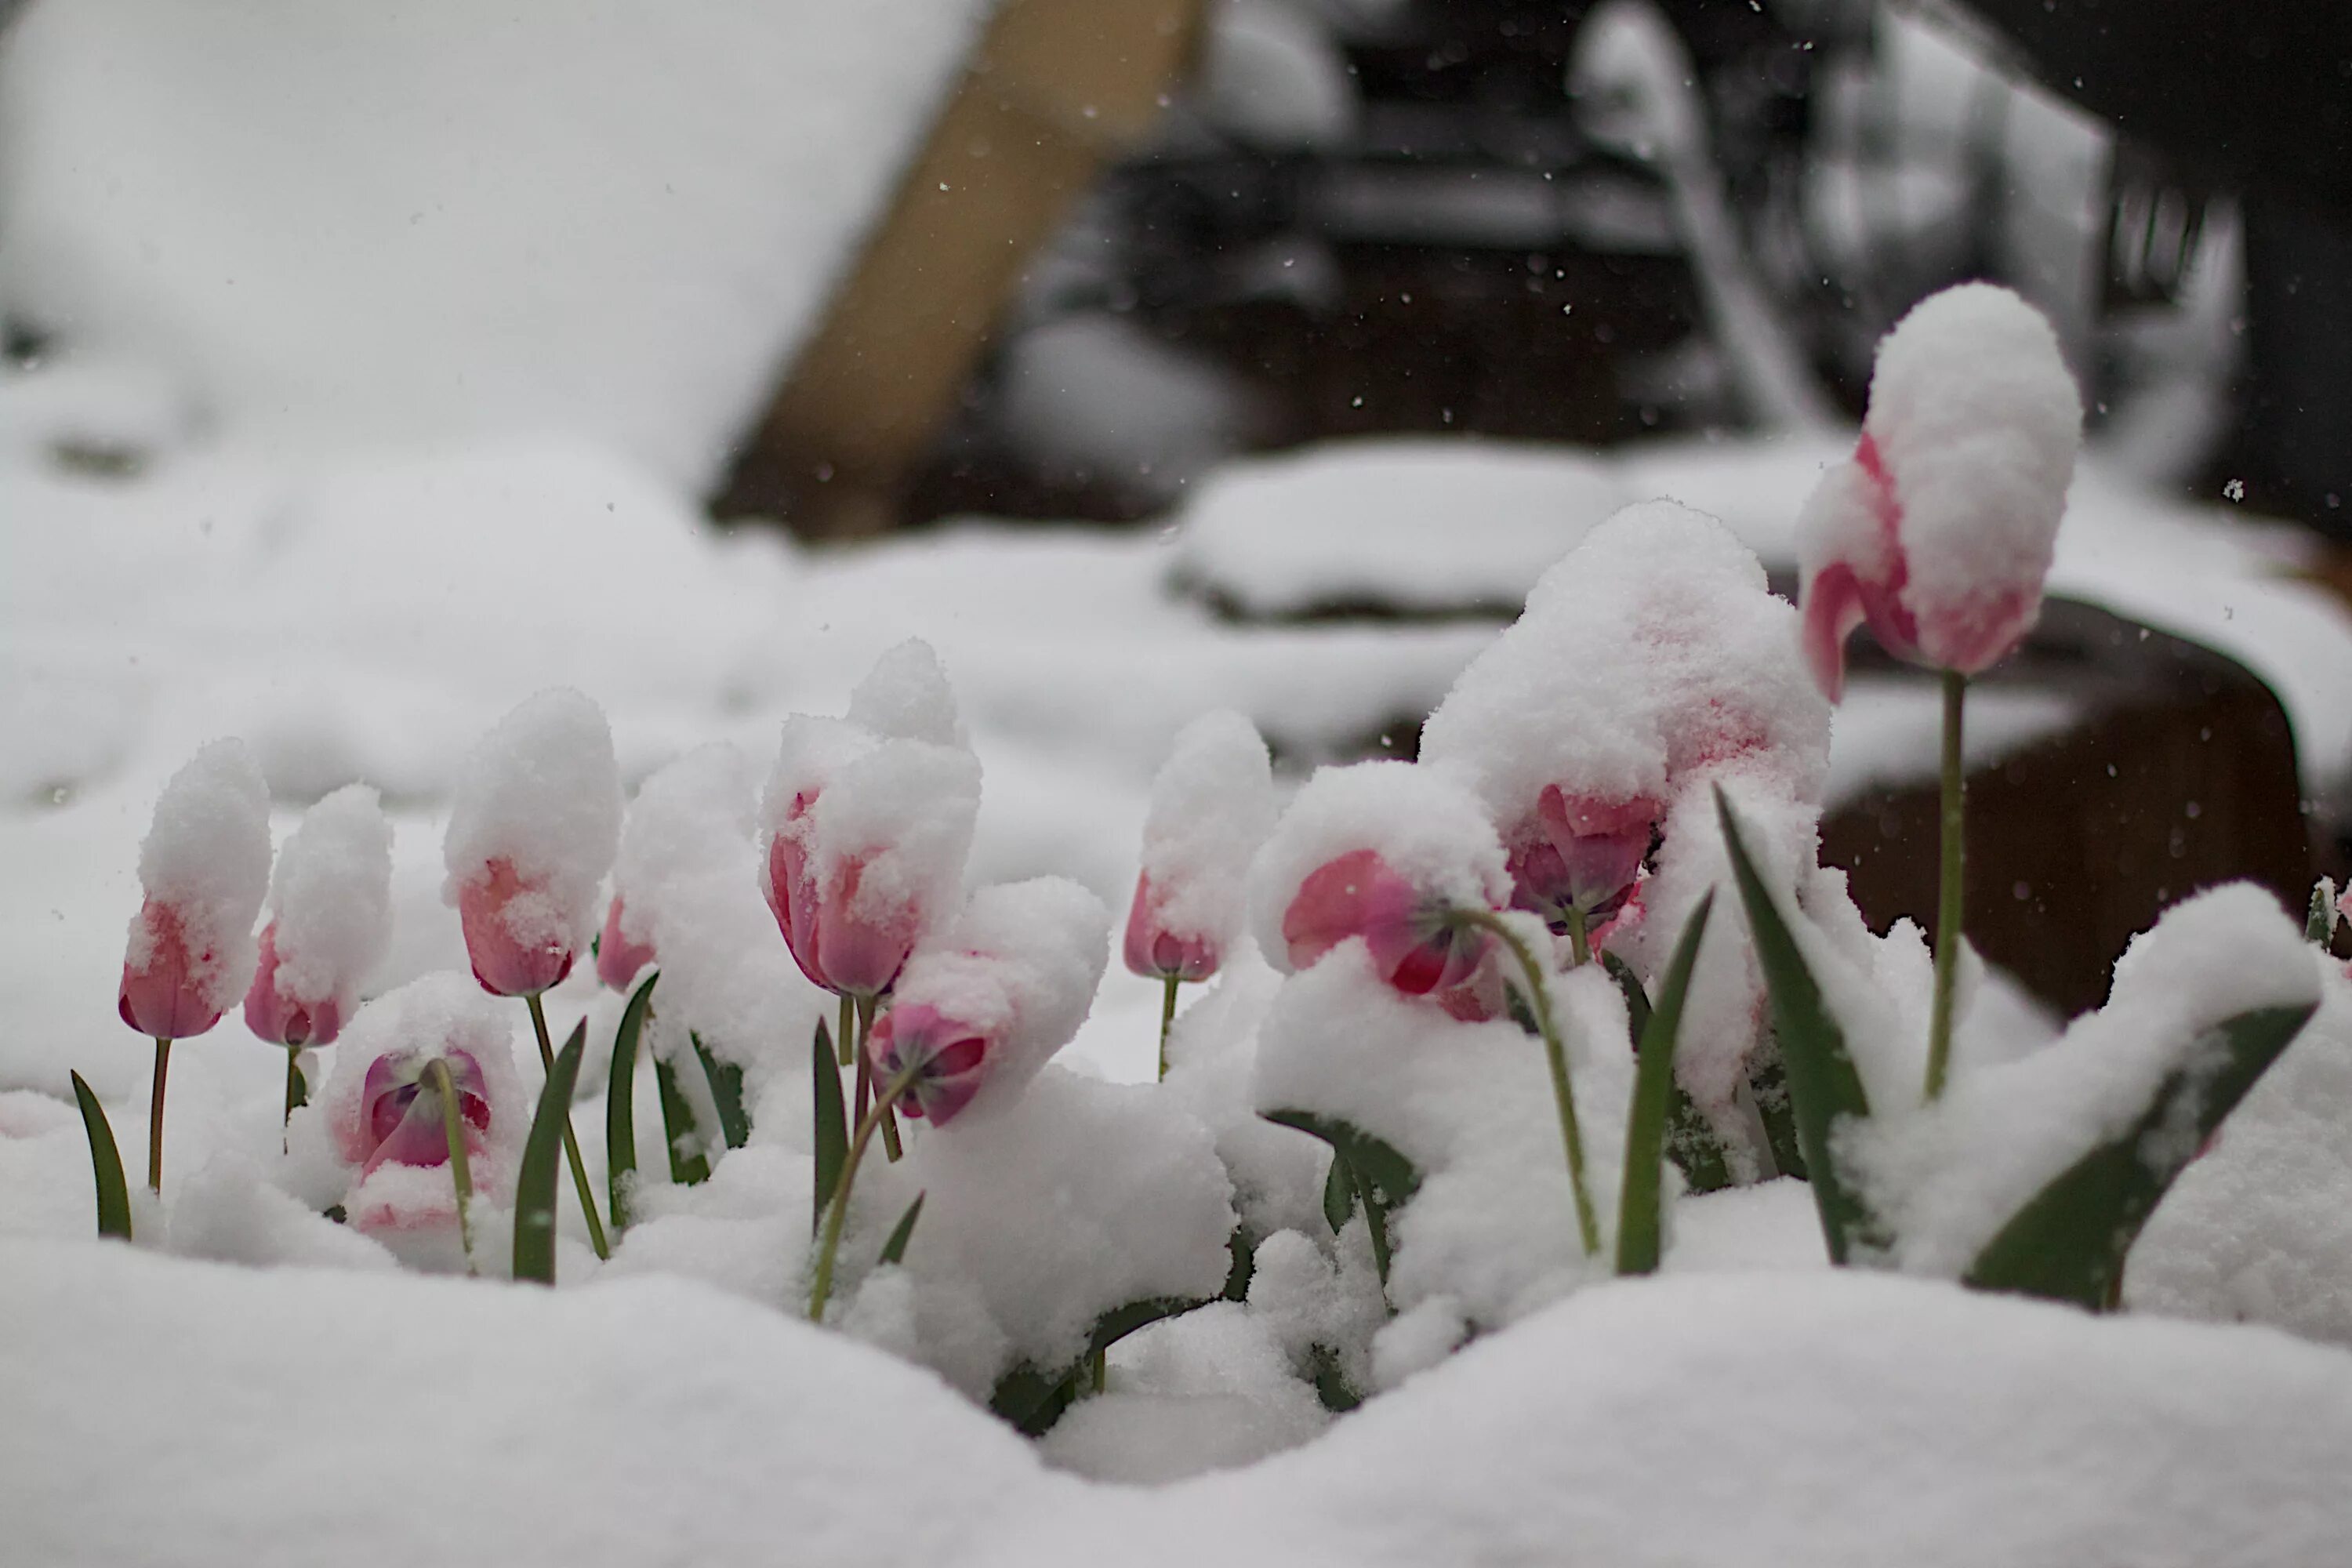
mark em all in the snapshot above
pixel 1464 259
pixel 2252 98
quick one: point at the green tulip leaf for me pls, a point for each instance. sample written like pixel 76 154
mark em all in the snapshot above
pixel 1638 1217
pixel 726 1081
pixel 1822 1086
pixel 105 1164
pixel 2069 1242
pixel 832 1121
pixel 620 1105
pixel 534 1227
pixel 689 1164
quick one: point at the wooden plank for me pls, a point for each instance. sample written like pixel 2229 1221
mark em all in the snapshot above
pixel 1054 88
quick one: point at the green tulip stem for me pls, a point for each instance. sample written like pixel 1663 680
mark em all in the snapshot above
pixel 821 1289
pixel 571 1144
pixel 461 1172
pixel 1952 868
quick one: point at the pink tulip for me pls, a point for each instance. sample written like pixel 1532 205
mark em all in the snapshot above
pixel 1972 635
pixel 1157 952
pixel 512 932
pixel 848 938
pixel 162 994
pixel 1413 946
pixel 1581 853
pixel 400 1119
pixel 620 960
pixel 283 1019
pixel 1939 532
pixel 953 1059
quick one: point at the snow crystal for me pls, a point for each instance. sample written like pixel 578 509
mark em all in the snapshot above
pixel 1423 820
pixel 1212 805
pixel 1415 1340
pixel 330 899
pixel 906 697
pixel 1313 1304
pixel 1946 1177
pixel 541 792
pixel 206 858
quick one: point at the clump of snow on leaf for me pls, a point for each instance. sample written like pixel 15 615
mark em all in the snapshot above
pixel 330 898
pixel 1946 1177
pixel 1424 821
pixel 207 857
pixel 1493 1227
pixel 2255 1229
pixel 541 792
pixel 1212 805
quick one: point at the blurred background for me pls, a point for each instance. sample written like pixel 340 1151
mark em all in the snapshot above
pixel 367 366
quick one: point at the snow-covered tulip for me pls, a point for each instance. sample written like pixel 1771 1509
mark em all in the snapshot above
pixel 1212 805
pixel 865 834
pixel 535 827
pixel 1938 531
pixel 979 1009
pixel 330 927
pixel 620 957
pixel 204 865
pixel 1576 860
pixel 943 1058
pixel 1414 943
pixel 536 823
pixel 1392 853
pixel 1156 950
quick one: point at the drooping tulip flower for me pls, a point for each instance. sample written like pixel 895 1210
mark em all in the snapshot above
pixel 1581 854
pixel 620 958
pixel 204 866
pixel 1414 946
pixel 1938 532
pixel 949 1055
pixel 517 940
pixel 400 1114
pixel 978 1012
pixel 1156 951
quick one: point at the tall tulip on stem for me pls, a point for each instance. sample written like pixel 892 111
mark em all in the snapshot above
pixel 1939 531
pixel 205 866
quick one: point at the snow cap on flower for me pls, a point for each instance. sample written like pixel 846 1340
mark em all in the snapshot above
pixel 329 920
pixel 864 835
pixel 1380 850
pixel 1939 529
pixel 204 865
pixel 536 821
pixel 1212 805
pixel 987 1002
pixel 376 1108
pixel 1651 655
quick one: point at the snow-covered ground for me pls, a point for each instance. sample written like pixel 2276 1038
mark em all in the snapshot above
pixel 358 522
